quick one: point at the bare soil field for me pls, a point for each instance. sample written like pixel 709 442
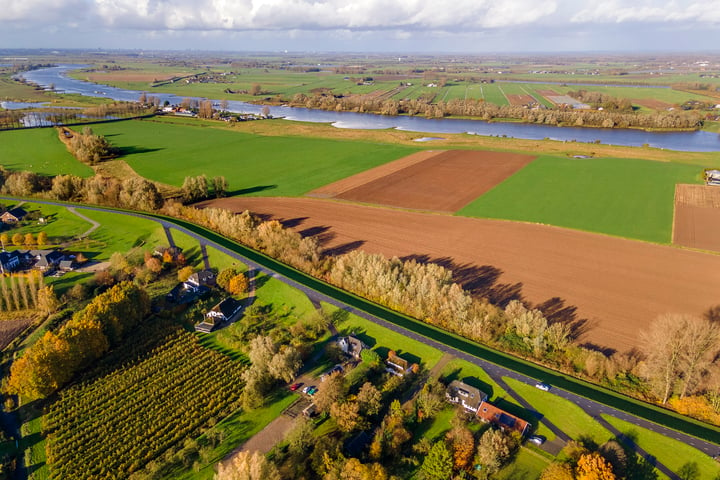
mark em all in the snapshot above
pixel 697 217
pixel 445 181
pixel 9 329
pixel 520 99
pixel 346 184
pixel 651 103
pixel 618 286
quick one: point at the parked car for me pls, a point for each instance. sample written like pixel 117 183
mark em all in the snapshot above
pixel 537 439
pixel 306 389
pixel 312 391
pixel 295 386
pixel 542 386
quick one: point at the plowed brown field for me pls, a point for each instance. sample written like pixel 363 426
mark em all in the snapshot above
pixel 619 285
pixel 444 181
pixel 697 217
pixel 520 99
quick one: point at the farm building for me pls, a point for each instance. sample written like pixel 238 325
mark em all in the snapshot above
pixel 475 401
pixel 505 421
pixel 398 366
pixel 351 346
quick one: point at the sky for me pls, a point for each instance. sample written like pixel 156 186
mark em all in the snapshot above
pixel 431 26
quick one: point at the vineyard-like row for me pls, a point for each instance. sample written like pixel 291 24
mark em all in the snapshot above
pixel 112 425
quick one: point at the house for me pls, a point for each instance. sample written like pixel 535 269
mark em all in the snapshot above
pixel 204 277
pixel 398 366
pixel 505 421
pixel 225 311
pixel 65 266
pixel 45 259
pixel 351 346
pixel 13 216
pixel 10 261
pixel 463 394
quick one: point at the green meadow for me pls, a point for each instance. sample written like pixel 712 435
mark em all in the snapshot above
pixel 252 164
pixel 620 197
pixel 38 150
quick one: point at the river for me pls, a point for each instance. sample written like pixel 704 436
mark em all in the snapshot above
pixel 698 141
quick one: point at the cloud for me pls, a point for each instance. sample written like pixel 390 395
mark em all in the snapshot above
pixel 647 11
pixel 244 15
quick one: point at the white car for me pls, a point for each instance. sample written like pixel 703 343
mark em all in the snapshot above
pixel 536 439
pixel 542 386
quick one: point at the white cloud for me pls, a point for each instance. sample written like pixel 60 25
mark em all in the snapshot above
pixel 618 11
pixel 286 14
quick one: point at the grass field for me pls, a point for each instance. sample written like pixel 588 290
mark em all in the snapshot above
pixel 38 150
pixel 621 197
pixel 567 416
pixel 672 453
pixel 61 224
pixel 252 164
pixel 527 465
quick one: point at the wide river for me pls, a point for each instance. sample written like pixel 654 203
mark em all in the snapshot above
pixel 699 141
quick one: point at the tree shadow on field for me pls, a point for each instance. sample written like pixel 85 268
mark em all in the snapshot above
pixel 344 248
pixel 293 222
pixel 556 311
pixel 245 191
pixel 479 280
pixel 135 150
pixel 312 231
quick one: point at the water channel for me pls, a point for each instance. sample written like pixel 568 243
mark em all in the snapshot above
pixel 698 141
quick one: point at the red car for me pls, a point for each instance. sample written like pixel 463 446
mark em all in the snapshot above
pixel 295 386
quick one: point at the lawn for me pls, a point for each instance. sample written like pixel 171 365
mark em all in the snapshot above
pixel 120 233
pixel 621 197
pixel 382 340
pixel 61 225
pixel 287 302
pixel 671 453
pixel 567 416
pixel 527 465
pixel 38 150
pixel 252 164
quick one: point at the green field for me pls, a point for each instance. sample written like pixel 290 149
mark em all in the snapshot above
pixel 672 453
pixel 39 150
pixel 252 164
pixel 61 225
pixel 621 197
pixel 567 416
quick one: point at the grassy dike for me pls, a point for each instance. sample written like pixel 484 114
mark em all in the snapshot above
pixel 445 339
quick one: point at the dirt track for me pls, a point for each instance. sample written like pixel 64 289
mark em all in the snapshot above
pixel 619 285
pixel 697 217
pixel 443 181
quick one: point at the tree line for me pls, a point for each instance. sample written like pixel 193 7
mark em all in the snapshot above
pixel 57 357
pixel 478 108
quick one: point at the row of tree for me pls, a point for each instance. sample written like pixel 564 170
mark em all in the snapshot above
pixel 58 356
pixel 615 118
pixel 200 187
pixel 86 146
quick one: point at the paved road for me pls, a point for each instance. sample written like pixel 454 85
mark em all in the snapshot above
pixel 95 225
pixel 593 408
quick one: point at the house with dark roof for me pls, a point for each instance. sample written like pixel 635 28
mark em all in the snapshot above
pixel 469 397
pixel 13 216
pixel 10 261
pixel 44 259
pixel 204 277
pixel 224 312
pixel 351 346
pixel 503 420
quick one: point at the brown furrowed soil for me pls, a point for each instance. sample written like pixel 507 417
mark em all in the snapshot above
pixel 697 217
pixel 520 99
pixel 619 286
pixel 341 186
pixel 651 103
pixel 9 329
pixel 446 181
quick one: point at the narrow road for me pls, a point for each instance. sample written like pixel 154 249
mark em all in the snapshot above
pixel 592 407
pixel 95 225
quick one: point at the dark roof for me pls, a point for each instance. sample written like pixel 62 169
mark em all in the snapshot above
pixel 228 307
pixel 202 278
pixel 466 394
pixel 18 213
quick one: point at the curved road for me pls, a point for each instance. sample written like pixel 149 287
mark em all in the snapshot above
pixel 593 408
